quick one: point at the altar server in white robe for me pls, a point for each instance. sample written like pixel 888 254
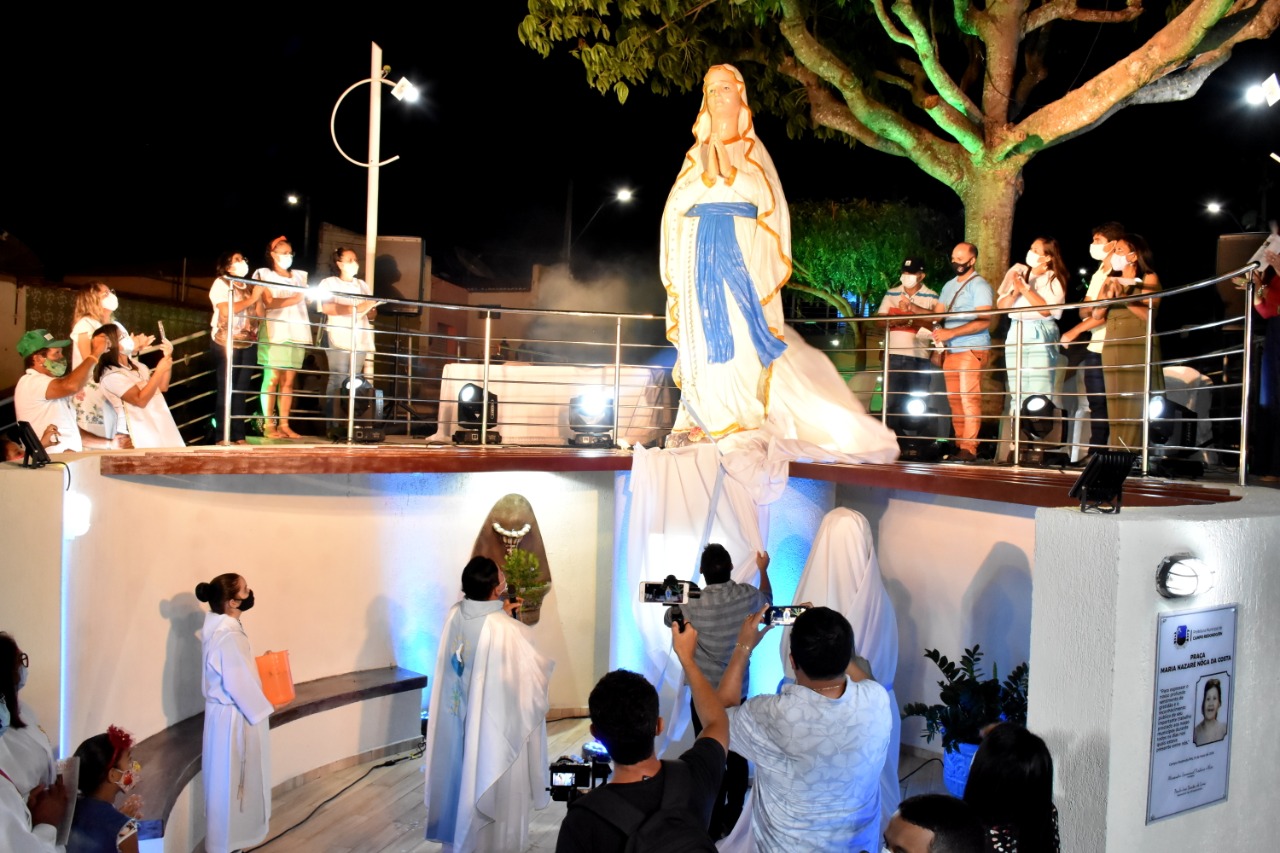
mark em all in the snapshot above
pixel 486 752
pixel 842 573
pixel 236 760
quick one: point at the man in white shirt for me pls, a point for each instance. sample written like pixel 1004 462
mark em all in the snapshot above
pixel 43 396
pixel 818 745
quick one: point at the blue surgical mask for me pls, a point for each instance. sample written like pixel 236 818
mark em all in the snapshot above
pixel 22 675
pixel 4 717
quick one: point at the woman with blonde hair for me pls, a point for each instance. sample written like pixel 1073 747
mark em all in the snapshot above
pixel 96 304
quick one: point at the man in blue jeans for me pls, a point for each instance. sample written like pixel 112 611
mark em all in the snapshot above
pixel 1105 237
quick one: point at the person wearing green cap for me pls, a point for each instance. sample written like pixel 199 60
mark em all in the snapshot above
pixel 43 396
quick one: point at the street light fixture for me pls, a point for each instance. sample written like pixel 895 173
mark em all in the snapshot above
pixel 622 196
pixel 1215 208
pixel 403 91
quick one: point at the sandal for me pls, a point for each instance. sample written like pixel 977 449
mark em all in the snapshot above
pixel 269 430
pixel 289 433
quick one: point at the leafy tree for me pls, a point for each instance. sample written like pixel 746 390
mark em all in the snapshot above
pixel 950 86
pixel 856 248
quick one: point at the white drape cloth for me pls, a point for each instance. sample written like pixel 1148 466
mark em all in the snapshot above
pixel 236 757
pixel 842 573
pixel 486 751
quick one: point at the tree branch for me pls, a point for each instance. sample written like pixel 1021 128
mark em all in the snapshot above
pixel 1069 10
pixel 1092 102
pixel 826 110
pixel 890 29
pixel 874 118
pixel 927 49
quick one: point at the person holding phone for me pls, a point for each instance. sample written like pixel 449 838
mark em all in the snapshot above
pixel 137 393
pixel 1031 346
pixel 1124 357
pixel 717 614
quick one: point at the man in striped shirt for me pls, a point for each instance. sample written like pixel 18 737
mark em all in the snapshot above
pixel 718 614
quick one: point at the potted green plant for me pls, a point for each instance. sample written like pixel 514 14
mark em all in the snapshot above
pixel 968 702
pixel 523 573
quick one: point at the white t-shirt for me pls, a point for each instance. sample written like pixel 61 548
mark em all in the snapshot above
pixel 86 326
pixel 1099 334
pixel 31 405
pixel 151 425
pixel 339 326
pixel 909 341
pixel 290 324
pixel 1049 288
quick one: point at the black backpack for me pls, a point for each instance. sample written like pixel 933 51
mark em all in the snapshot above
pixel 673 828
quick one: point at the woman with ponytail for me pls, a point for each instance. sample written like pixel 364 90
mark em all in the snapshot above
pixel 237 749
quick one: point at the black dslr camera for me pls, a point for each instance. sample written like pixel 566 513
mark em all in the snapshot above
pixel 570 774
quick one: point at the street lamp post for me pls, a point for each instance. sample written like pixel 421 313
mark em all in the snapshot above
pixel 404 91
pixel 622 196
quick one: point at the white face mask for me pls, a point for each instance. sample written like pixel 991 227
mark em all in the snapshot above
pixel 126 344
pixel 285 261
pixel 239 269
pixel 909 280
pixel 1097 251
pixel 1119 262
pixel 349 269
pixel 1033 260
pixel 110 302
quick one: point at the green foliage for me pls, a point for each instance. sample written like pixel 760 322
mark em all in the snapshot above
pixel 858 246
pixel 522 570
pixel 969 700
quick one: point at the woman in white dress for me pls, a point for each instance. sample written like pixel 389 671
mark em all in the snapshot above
pixel 137 394
pixel 96 304
pixel 283 337
pixel 1031 346
pixel 236 760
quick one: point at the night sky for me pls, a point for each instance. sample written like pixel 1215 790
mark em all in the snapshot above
pixel 128 152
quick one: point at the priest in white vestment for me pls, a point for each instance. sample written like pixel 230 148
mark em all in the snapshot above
pixel 486 751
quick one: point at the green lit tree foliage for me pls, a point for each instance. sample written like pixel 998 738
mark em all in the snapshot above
pixel 857 247
pixel 950 86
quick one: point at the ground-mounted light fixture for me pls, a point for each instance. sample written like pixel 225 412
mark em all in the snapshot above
pixel 909 417
pixel 472 408
pixel 1100 486
pixel 591 419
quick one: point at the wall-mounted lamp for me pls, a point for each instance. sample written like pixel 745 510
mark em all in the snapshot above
pixel 1183 575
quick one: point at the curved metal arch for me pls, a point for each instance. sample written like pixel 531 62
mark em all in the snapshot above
pixel 333 117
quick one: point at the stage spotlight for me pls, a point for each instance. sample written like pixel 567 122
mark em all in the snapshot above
pixel 1174 424
pixel 33 453
pixel 1041 425
pixel 1182 575
pixel 909 417
pixel 1100 486
pixel 471 408
pixel 368 409
pixel 591 419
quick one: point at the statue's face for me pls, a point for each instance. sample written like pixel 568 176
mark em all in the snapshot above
pixel 723 101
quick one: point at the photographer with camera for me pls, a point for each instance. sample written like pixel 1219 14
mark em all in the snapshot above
pixel 717 614
pixel 665 805
pixel 817 743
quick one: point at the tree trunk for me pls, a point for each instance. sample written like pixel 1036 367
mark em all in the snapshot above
pixel 989 196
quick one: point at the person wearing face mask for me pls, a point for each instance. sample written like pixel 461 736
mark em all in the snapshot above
pixel 1031 351
pixel 107 770
pixel 909 365
pixel 968 342
pixel 236 759
pixel 1105 237
pixel 43 395
pixel 242 304
pixel 349 327
pixel 96 304
pixel 284 335
pixel 136 393
pixel 1125 355
pixel 26 755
